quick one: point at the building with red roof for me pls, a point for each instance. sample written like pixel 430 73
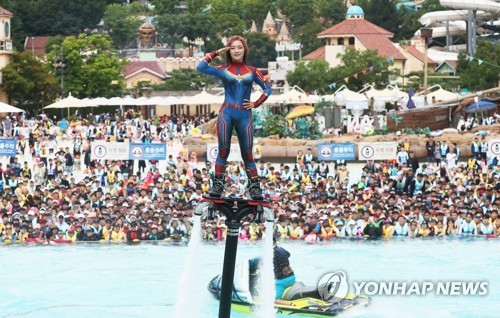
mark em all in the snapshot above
pixel 357 33
pixel 36 44
pixel 143 71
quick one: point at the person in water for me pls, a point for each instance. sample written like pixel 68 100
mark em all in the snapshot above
pixel 284 276
pixel 236 111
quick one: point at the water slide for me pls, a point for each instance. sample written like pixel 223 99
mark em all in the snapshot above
pixel 491 6
pixel 487 10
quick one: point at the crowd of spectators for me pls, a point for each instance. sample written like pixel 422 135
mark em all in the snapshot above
pixel 53 192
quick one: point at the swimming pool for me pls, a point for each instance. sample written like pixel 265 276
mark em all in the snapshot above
pixel 101 280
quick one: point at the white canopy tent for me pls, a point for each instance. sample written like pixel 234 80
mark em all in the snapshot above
pixel 350 99
pixel 202 98
pixel 100 101
pixel 440 95
pixel 390 94
pixel 165 100
pixel 294 96
pixel 71 102
pixel 6 108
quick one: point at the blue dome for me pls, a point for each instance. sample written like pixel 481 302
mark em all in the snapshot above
pixel 355 10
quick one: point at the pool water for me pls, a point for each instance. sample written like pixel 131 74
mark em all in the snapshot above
pixel 98 280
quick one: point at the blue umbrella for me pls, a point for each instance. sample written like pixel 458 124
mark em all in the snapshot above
pixel 482 106
pixel 410 104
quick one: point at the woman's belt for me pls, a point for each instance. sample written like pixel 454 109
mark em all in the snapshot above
pixel 234 106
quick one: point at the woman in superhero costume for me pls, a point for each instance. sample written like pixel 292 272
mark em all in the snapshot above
pixel 236 111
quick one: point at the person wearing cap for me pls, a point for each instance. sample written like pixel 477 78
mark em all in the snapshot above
pixel 91 235
pixel 177 237
pixel 153 235
pixel 71 234
pixel 60 223
pixel 116 235
pixel 135 234
pixel 327 231
pixel 208 233
pixel 37 233
pixel 286 174
pixel 175 225
pixel 244 232
pixel 351 230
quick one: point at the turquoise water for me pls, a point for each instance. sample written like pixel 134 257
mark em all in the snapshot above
pixel 142 280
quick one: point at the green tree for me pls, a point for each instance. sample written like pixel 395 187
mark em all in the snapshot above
pixel 197 6
pixel 53 17
pixel 256 10
pixel 192 24
pixel 53 41
pixel 482 72
pixel 122 24
pixel 184 80
pixel 308 36
pixel 168 31
pixel 416 80
pixel 93 67
pixel 331 10
pixel 354 61
pixel 166 6
pixel 261 49
pixel 385 14
pixel 226 7
pixel 228 24
pixel 28 81
pixel 299 12
pixel 311 75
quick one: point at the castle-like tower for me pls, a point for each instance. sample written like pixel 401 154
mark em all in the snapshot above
pixel 253 29
pixel 284 35
pixel 269 26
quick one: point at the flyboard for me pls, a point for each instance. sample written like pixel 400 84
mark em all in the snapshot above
pixel 297 300
pixel 235 210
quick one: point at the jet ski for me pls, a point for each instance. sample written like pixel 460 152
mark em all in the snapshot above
pixel 298 299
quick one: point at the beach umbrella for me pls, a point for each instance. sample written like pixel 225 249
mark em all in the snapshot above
pixel 128 101
pixel 299 111
pixel 70 102
pixel 6 108
pixel 202 98
pixel 100 101
pixel 143 101
pixel 165 100
pixel 479 107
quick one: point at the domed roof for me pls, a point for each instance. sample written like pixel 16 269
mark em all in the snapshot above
pixel 355 10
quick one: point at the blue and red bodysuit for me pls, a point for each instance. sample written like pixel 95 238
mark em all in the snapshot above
pixel 238 79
